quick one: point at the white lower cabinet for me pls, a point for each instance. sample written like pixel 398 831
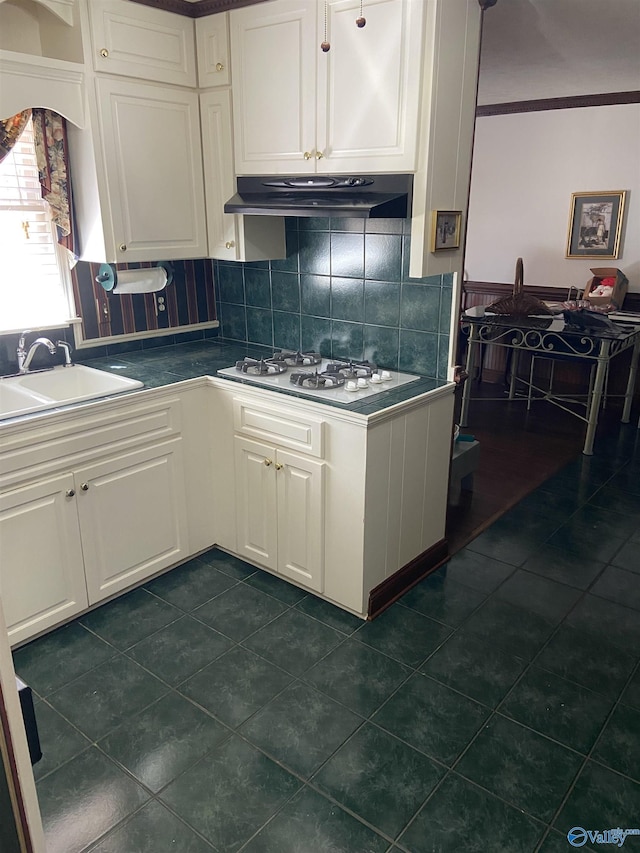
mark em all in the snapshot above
pixel 280 511
pixel 42 578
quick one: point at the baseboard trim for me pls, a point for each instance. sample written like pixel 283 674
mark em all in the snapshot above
pixel 391 589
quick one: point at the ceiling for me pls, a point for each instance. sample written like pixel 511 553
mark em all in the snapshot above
pixel 559 48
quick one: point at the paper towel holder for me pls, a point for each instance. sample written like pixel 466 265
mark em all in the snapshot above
pixel 108 274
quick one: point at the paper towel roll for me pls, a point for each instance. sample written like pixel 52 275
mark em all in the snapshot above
pixel 141 281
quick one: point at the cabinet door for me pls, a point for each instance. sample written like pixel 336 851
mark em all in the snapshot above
pixel 137 41
pixel 153 170
pixel 212 48
pixel 256 521
pixel 41 573
pixel 300 484
pixel 273 60
pixel 132 517
pixel 369 87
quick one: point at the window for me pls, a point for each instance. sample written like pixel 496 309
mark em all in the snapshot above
pixel 35 283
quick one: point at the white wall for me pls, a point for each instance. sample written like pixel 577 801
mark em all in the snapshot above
pixel 525 168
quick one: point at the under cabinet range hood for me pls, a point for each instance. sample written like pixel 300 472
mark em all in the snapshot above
pixel 353 196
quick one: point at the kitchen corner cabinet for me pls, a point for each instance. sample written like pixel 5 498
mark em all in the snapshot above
pixel 280 511
pixel 231 237
pixel 138 185
pixel 352 109
pixel 212 50
pixel 90 506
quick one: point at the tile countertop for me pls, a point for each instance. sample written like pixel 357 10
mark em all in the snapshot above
pixel 165 365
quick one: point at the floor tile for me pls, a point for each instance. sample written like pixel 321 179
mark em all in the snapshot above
pixel 588 660
pixel 441 598
pixel 605 522
pixel 294 641
pixel 236 685
pixel 83 799
pixel 227 563
pixel 49 662
pixel 103 698
pixel 623 501
pixel 555 842
pixel 131 618
pixel 332 616
pixel 178 651
pixel 240 611
pixel 628 557
pixel 230 794
pixel 547 598
pixel 558 708
pixel 301 728
pixel 163 740
pixel 190 585
pixel 476 570
pixel 631 695
pixel 620 586
pixel 619 744
pixel 586 541
pixel 462 817
pixel 59 740
pixel 310 823
pixel 603 800
pixel 564 566
pixel 509 541
pixel 403 634
pixel 283 591
pixel 357 676
pixel 480 670
pixel 153 829
pixel 552 503
pixel 379 778
pixel 431 718
pixel 609 622
pixel 517 631
pixel 520 766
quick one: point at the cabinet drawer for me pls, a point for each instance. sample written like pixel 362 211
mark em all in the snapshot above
pixel 285 427
pixel 137 41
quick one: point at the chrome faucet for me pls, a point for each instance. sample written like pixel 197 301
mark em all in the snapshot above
pixel 66 348
pixel 24 357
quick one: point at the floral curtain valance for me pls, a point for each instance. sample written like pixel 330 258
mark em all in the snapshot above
pixel 52 152
pixel 11 131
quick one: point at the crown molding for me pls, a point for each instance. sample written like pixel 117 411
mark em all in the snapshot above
pixel 605 100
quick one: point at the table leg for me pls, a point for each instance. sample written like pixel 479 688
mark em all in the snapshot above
pixel 594 408
pixel 631 382
pixel 472 346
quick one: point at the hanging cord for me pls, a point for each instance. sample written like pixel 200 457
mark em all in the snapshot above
pixel 325 46
pixel 360 22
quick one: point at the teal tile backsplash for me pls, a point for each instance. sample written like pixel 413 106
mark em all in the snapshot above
pixel 344 290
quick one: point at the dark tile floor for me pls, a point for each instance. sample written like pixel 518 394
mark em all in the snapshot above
pixel 493 708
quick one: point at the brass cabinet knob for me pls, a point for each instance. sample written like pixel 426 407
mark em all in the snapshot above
pixel 85 487
pixel 123 247
pixel 278 466
pixel 104 53
pixel 219 66
pixel 70 493
pixel 268 462
pixel 307 155
pixel 230 244
pixel 319 155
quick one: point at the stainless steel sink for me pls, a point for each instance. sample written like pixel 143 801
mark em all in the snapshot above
pixel 46 389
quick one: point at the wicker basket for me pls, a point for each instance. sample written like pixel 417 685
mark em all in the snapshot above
pixel 520 304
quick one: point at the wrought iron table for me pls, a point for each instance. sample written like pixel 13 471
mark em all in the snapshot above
pixel 549 336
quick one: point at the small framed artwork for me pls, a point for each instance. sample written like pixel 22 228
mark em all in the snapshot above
pixel 445 229
pixel 595 224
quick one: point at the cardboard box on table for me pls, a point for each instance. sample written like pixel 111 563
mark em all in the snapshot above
pixel 619 288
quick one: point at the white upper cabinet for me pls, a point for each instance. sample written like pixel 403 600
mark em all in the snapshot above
pixel 139 41
pixel 140 197
pixel 354 108
pixel 212 49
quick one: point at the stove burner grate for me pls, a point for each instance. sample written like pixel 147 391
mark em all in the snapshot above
pixel 352 369
pixel 318 381
pixel 260 366
pixel 296 359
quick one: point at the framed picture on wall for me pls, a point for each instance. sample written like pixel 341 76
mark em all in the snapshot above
pixel 445 229
pixel 595 224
